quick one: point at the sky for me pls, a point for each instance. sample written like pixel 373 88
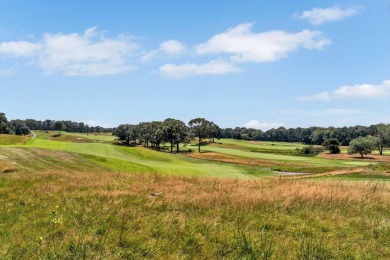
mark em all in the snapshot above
pixel 260 64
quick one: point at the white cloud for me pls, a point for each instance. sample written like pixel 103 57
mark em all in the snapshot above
pixel 213 67
pixel 87 54
pixel 247 46
pixel 74 54
pixel 354 91
pixel 262 125
pixel 98 123
pixel 19 49
pixel 317 16
pixel 171 47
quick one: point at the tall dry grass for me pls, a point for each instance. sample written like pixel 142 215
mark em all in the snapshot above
pixel 75 214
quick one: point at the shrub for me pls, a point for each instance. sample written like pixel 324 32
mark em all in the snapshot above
pixel 310 150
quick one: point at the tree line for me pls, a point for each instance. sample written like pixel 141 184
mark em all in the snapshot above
pixel 23 127
pixel 176 132
pixel 170 131
pixel 310 135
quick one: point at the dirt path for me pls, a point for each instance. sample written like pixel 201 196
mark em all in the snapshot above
pixel 34 134
pixel 292 173
pixel 308 175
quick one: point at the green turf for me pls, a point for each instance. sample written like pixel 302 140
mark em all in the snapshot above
pixel 262 145
pixel 108 137
pixel 146 160
pixel 6 139
pixel 285 158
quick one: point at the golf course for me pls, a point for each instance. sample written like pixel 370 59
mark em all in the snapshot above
pixel 78 195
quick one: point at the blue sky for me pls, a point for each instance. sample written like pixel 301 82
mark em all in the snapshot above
pixel 258 64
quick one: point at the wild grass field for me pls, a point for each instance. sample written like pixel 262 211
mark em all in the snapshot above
pixel 69 198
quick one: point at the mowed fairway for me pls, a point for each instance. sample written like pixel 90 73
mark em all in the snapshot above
pixel 142 160
pixel 244 149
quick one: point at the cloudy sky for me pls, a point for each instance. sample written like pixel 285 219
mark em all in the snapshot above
pixel 259 64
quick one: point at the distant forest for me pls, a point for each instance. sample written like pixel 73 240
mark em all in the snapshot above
pixel 310 135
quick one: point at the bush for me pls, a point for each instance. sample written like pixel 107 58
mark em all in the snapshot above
pixel 332 145
pixel 334 150
pixel 310 150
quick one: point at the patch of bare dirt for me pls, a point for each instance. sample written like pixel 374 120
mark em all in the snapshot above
pixel 234 159
pixel 370 157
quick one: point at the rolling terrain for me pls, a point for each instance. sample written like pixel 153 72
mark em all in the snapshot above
pixel 85 197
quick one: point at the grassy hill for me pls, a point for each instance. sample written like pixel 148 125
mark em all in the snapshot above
pixel 77 196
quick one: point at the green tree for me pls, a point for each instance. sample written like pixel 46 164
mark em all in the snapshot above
pixel 200 128
pixel 145 132
pixel 361 145
pixel 215 131
pixel 19 127
pixel 5 127
pixel 319 136
pixel 332 144
pixel 157 136
pixel 175 132
pixel 59 126
pixel 126 133
pixel 383 137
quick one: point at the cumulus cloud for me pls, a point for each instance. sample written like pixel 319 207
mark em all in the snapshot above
pixel 246 46
pixel 317 16
pixel 98 123
pixel 213 67
pixel 19 49
pixel 87 54
pixel 171 47
pixel 354 91
pixel 264 126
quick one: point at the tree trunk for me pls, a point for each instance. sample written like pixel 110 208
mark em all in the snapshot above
pixel 361 154
pixel 381 150
pixel 199 145
pixel 171 146
pixel 177 148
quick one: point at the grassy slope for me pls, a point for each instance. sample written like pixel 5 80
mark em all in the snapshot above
pixel 75 208
pixel 135 159
pixel 288 158
pixel 101 137
pixel 92 214
pixel 12 139
pixel 264 145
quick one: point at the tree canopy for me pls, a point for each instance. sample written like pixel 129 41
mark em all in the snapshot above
pixel 201 129
pixel 361 145
pixel 332 144
pixel 383 137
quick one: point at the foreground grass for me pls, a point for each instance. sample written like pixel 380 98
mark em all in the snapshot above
pixel 88 213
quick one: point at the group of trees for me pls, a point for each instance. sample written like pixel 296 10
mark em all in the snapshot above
pixel 5 126
pixel 23 127
pixel 171 131
pixel 360 139
pixel 365 145
pixel 12 127
pixel 310 135
pixel 368 137
pixel 64 125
